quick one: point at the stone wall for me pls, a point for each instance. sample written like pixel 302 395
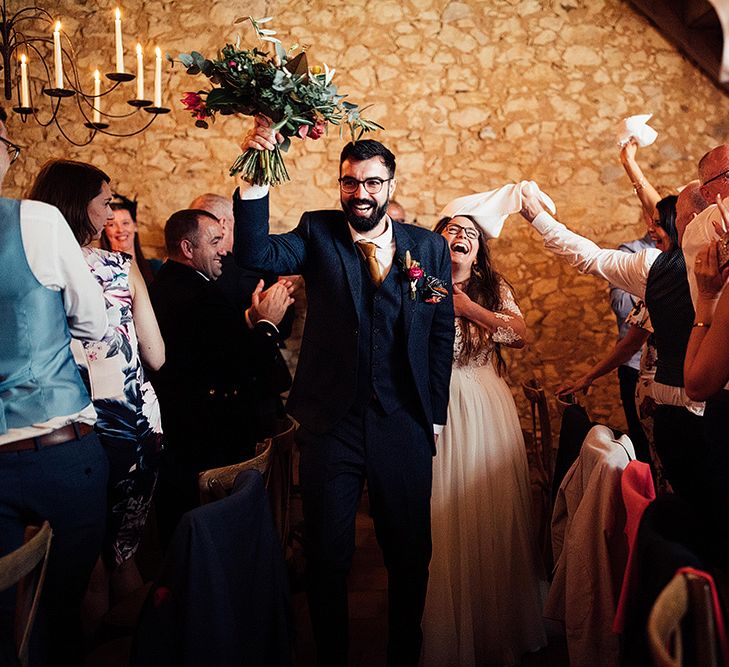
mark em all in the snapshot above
pixel 473 95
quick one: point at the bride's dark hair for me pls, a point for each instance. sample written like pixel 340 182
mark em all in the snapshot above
pixel 483 288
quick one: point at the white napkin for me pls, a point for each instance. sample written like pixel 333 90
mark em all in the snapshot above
pixel 636 127
pixel 490 209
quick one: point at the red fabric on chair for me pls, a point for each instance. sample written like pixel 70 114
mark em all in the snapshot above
pixel 638 492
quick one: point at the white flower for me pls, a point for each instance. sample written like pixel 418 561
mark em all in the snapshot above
pixel 150 407
pixel 329 75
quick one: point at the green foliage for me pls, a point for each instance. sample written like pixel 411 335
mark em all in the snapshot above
pixel 280 86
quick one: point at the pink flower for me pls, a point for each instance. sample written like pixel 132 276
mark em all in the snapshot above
pixel 303 131
pixel 415 272
pixel 317 131
pixel 195 103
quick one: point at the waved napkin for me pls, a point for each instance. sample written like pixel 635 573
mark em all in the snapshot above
pixel 490 209
pixel 636 127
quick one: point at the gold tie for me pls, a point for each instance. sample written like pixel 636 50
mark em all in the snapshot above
pixel 368 251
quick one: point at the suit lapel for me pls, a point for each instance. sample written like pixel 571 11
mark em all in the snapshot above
pixel 404 242
pixel 348 255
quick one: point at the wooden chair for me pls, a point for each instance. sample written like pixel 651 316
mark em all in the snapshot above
pixel 280 478
pixel 217 483
pixel 685 596
pixel 539 454
pixel 26 567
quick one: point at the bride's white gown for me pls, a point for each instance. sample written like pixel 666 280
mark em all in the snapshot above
pixel 484 601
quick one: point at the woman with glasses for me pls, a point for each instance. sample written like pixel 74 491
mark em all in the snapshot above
pixel 128 423
pixel 484 601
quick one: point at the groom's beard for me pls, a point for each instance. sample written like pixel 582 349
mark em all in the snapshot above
pixel 360 223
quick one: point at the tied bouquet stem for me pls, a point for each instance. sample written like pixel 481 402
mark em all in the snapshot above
pixel 300 101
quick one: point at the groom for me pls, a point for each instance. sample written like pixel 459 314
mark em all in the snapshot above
pixel 371 384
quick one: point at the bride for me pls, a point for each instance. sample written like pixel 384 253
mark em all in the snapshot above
pixel 484 601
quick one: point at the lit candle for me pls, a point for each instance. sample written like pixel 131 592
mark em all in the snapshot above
pixel 24 89
pixel 57 62
pixel 119 48
pixel 140 73
pixel 97 96
pixel 158 77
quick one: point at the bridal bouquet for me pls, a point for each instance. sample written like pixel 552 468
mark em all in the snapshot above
pixel 301 101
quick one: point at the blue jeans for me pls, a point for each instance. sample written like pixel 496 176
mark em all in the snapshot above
pixel 65 485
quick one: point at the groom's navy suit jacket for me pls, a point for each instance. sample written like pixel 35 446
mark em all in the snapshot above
pixel 321 249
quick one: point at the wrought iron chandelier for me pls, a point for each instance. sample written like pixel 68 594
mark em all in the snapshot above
pixel 39 65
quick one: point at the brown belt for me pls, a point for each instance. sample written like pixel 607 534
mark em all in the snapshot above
pixel 74 431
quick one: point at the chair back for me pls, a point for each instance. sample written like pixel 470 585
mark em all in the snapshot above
pixel 217 483
pixel 541 424
pixel 539 454
pixel 26 567
pixel 280 479
pixel 685 595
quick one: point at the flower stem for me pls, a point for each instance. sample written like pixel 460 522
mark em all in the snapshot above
pixel 261 167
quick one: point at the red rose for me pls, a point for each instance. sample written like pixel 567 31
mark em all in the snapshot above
pixel 415 272
pixel 194 102
pixel 317 131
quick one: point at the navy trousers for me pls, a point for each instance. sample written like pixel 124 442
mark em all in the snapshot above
pixel 392 453
pixel 65 485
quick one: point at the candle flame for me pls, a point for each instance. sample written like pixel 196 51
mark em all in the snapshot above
pixel 139 49
pixel 58 26
pixel 118 13
pixel 158 51
pixel 23 58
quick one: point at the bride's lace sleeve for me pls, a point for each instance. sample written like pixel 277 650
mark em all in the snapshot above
pixel 505 334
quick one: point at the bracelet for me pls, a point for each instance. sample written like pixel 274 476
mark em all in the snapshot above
pixel 704 325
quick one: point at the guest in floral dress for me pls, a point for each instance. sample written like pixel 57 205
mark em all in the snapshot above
pixel 128 415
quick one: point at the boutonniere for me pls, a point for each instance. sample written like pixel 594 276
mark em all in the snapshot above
pixel 434 290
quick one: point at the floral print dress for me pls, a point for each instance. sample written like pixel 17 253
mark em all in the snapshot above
pixel 129 423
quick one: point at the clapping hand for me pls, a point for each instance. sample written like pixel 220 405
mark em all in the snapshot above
pixel 572 387
pixel 706 269
pixel 272 303
pixel 261 136
pixel 721 226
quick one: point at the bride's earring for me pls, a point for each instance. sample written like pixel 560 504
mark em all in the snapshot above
pixel 476 271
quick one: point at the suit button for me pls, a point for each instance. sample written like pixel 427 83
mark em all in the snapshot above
pixel 375 330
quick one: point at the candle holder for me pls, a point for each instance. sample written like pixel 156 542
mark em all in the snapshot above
pixel 41 43
pixel 59 92
pixel 121 76
pixel 25 111
pixel 157 110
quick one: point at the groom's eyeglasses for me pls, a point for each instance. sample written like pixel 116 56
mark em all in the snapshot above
pixel 453 229
pixel 372 185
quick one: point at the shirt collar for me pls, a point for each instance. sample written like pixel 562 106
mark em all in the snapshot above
pixel 383 241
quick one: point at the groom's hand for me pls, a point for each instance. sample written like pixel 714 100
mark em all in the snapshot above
pixel 531 205
pixel 261 136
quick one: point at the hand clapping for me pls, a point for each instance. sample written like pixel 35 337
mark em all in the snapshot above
pixel 272 303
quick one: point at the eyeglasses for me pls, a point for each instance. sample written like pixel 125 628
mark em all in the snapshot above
pixel 13 149
pixel 453 229
pixel 372 185
pixel 725 174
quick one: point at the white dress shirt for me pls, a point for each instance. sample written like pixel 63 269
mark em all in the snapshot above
pixel 697 235
pixel 627 271
pixel 385 246
pixel 56 261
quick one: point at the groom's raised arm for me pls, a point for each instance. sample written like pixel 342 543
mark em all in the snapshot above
pixel 255 248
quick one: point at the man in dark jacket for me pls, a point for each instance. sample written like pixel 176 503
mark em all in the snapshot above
pixel 215 363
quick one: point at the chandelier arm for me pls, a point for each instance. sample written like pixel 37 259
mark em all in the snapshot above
pixel 130 134
pixel 70 140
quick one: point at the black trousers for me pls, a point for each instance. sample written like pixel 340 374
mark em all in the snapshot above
pixel 679 439
pixel 392 453
pixel 628 378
